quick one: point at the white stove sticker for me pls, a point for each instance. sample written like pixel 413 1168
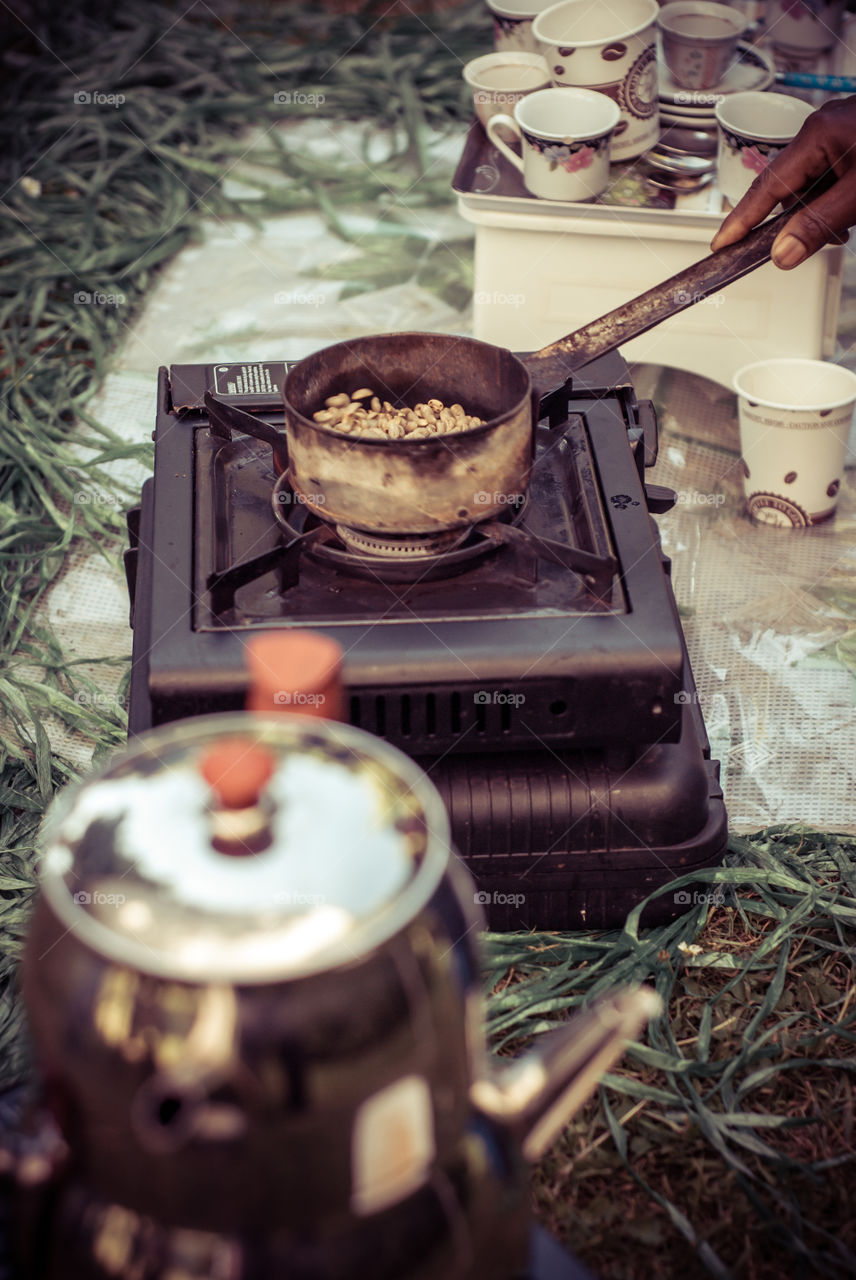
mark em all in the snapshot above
pixel 243 379
pixel 392 1145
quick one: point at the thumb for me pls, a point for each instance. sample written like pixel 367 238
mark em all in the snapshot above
pixel 824 221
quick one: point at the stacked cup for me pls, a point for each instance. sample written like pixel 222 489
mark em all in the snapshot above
pixel 610 48
pixel 512 24
pixel 601 61
pixel 699 41
pixel 499 81
pixel 802 31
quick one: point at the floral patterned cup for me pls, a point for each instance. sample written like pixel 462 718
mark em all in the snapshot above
pixel 565 137
pixel 753 128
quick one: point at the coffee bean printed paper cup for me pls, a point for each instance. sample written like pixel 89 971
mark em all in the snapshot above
pixel 795 419
pixel 612 49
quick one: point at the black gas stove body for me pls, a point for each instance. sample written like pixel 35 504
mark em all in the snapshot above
pixel 538 671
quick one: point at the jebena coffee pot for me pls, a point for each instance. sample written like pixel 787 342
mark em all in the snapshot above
pixel 253 986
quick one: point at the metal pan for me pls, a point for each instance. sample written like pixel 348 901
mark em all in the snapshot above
pixel 435 483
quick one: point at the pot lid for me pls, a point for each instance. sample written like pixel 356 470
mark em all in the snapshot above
pixel 245 848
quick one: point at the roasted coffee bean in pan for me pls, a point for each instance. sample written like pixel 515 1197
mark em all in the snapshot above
pixel 362 413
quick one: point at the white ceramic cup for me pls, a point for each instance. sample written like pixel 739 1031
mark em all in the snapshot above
pixel 699 39
pixel 500 80
pixel 795 418
pixel 794 26
pixel 512 24
pixel 611 46
pixel 753 128
pixel 565 139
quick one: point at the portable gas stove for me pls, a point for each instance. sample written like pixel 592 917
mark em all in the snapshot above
pixel 535 667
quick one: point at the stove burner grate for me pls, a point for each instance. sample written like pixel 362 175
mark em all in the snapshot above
pixel 404 546
pixel 393 558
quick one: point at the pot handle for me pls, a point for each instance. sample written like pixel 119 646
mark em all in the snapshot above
pixel 536 1096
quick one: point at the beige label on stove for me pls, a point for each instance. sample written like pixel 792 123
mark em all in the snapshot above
pixel 392 1145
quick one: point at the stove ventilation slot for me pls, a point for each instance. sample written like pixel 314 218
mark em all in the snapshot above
pixel 424 717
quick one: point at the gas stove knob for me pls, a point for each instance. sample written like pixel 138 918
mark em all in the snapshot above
pixel 647 418
pixel 659 498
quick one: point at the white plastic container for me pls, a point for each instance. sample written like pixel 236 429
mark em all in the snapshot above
pixel 539 276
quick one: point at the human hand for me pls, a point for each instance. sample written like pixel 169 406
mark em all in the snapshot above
pixel 826 142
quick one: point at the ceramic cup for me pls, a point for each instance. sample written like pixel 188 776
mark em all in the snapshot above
pixel 512 24
pixel 500 80
pixel 802 28
pixel 699 41
pixel 565 137
pixel 795 418
pixel 753 128
pixel 611 47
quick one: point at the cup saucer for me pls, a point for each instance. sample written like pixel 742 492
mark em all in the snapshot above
pixel 751 69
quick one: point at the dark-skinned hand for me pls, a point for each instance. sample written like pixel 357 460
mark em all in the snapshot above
pixel 825 144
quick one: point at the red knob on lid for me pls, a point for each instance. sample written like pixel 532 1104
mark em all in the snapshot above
pixel 297 671
pixel 237 770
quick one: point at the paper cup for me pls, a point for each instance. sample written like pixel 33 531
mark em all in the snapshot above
pixel 612 48
pixel 512 24
pixel 699 40
pixel 500 80
pixel 795 418
pixel 565 139
pixel 753 128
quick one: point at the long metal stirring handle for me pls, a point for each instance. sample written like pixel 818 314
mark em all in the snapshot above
pixel 667 299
